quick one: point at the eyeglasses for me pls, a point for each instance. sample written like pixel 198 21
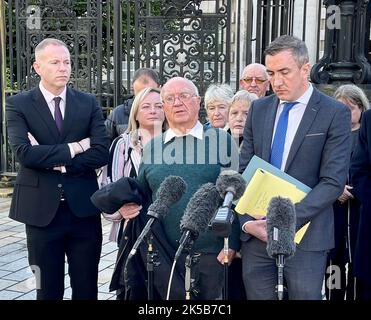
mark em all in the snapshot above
pixel 183 97
pixel 257 80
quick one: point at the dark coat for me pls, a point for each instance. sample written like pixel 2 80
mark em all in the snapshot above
pixel 38 188
pixel 117 121
pixel 127 190
pixel 318 157
pixel 360 171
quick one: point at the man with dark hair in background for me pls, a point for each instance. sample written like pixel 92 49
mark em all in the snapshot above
pixel 117 121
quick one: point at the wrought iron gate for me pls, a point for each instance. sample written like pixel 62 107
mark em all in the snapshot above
pixel 205 40
pixel 177 38
pixel 110 39
pixel 77 23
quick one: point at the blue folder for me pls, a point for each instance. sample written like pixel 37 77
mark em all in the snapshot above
pixel 258 163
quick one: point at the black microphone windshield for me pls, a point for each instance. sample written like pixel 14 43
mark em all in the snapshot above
pixel 231 181
pixel 281 224
pixel 200 209
pixel 169 192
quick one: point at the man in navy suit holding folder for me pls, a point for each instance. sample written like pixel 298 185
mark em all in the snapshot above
pixel 306 134
pixel 59 138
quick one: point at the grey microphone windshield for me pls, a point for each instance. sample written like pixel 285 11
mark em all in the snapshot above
pixel 281 224
pixel 200 209
pixel 230 183
pixel 169 192
pixel 197 215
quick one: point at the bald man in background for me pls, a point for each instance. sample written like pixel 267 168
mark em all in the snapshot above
pixel 254 79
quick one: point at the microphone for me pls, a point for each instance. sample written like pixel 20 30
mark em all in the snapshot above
pixel 197 214
pixel 231 186
pixel 281 224
pixel 169 192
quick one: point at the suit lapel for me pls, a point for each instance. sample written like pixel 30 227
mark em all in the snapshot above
pixel 69 113
pixel 268 129
pixel 309 115
pixel 43 110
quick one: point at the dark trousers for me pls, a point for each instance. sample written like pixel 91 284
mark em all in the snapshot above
pixel 209 277
pixel 80 239
pixel 341 257
pixel 303 273
pixel 236 288
pixel 363 292
pixel 207 281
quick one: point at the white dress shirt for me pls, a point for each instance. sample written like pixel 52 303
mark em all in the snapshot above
pixel 295 116
pixel 197 131
pixel 49 98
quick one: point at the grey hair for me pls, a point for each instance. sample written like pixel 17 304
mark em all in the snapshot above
pixel 353 94
pixel 245 96
pixel 47 42
pixel 218 92
pixel 297 47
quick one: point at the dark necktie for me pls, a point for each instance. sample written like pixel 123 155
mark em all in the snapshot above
pixel 278 144
pixel 58 114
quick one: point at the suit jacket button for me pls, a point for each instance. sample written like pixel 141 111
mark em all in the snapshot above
pixel 59 185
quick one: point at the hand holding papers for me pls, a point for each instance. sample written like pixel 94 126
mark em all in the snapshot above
pixel 263 186
pixel 261 189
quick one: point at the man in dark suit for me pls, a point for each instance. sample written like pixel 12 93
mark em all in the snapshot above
pixel 360 177
pixel 59 139
pixel 306 134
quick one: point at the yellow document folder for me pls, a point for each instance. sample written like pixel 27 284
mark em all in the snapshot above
pixel 261 189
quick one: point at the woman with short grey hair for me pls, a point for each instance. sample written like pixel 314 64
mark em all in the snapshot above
pixel 218 98
pixel 350 93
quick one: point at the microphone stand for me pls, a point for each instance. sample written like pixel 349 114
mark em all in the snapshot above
pixel 189 283
pixel 151 264
pixel 221 224
pixel 280 262
pixel 226 264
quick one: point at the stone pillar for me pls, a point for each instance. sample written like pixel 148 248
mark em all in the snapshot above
pixel 344 58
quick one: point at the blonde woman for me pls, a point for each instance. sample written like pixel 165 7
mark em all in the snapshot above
pixel 238 111
pixel 146 120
